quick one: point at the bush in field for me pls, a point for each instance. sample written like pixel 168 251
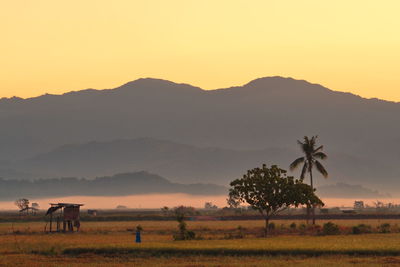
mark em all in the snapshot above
pixel 384 228
pixel 238 235
pixel 181 213
pixel 241 230
pixel 293 225
pixel 271 226
pixel 330 228
pixel 361 229
pixel 302 228
pixel 184 234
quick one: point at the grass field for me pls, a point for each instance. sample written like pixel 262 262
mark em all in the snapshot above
pixel 111 244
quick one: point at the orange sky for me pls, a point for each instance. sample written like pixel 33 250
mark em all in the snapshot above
pixel 58 46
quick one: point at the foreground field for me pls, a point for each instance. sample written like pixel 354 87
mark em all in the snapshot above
pixel 197 261
pixel 111 244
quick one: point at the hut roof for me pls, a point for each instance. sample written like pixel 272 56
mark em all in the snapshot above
pixel 56 206
pixel 63 205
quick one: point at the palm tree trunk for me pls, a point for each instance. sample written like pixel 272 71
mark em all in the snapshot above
pixel 313 207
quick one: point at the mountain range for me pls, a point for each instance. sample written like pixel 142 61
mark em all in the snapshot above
pixel 122 184
pixel 190 135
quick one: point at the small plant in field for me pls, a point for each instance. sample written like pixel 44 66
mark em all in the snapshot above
pixel 384 228
pixel 361 229
pixel 293 225
pixel 180 214
pixel 271 226
pixel 237 235
pixel 302 228
pixel 330 228
pixel 241 233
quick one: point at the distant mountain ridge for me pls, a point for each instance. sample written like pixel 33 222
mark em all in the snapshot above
pixel 179 163
pixel 267 112
pixel 139 183
pixel 123 184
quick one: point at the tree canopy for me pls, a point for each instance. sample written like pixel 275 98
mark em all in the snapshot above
pixel 270 191
pixel 22 203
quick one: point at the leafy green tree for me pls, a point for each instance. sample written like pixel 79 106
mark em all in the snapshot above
pixel 270 191
pixel 312 155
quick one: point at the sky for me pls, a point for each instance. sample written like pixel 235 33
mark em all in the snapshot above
pixel 53 47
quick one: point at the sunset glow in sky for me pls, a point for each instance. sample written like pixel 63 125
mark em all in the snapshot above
pixel 52 46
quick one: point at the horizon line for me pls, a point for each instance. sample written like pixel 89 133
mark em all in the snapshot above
pixel 194 86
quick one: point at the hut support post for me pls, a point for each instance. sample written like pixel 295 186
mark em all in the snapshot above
pixel 51 222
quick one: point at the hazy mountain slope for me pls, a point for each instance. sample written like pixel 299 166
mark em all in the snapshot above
pixel 343 190
pixel 178 162
pixel 117 185
pixel 263 113
pixel 184 163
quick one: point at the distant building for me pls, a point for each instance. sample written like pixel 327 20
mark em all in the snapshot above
pixel 359 205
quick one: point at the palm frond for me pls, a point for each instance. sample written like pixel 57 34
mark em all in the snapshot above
pixel 296 163
pixel 318 148
pixel 299 142
pixel 304 171
pixel 321 168
pixel 320 155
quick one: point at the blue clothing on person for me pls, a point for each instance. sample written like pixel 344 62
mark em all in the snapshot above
pixel 138 239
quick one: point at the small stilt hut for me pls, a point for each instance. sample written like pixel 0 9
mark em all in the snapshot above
pixel 63 217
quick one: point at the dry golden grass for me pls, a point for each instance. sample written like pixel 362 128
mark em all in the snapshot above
pixel 196 261
pixel 110 244
pixel 171 225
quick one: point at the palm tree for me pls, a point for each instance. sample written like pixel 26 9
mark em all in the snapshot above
pixel 309 161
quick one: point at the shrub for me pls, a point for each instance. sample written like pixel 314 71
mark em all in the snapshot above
pixel 356 230
pixel 314 229
pixel 384 228
pixel 330 228
pixel 241 233
pixel 237 235
pixel 302 228
pixel 184 234
pixel 292 225
pixel 187 235
pixel 234 236
pixel 271 226
pixel 361 229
